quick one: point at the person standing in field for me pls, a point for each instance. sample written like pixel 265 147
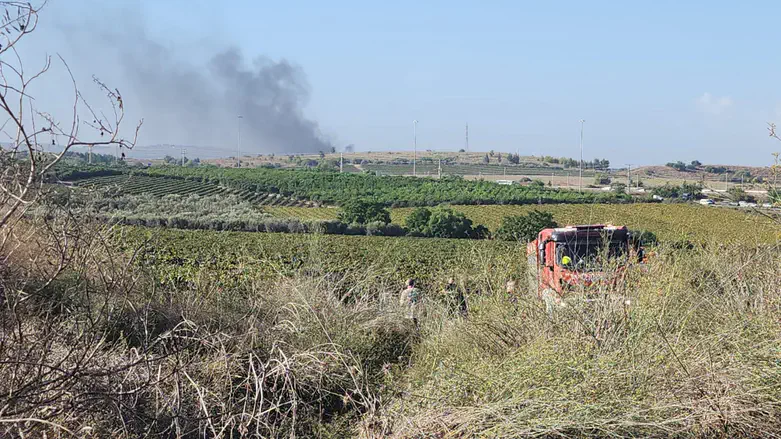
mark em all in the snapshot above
pixel 411 298
pixel 511 289
pixel 454 298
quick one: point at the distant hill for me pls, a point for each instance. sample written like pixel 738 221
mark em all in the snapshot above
pixel 718 172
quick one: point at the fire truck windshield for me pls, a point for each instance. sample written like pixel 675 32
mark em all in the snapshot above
pixel 589 256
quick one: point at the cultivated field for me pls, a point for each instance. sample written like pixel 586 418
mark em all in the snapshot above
pixel 667 221
pixel 136 184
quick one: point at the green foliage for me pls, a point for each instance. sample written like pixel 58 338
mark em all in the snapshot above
pixel 447 223
pixel 396 191
pixel 644 237
pixel 618 187
pixel 616 366
pixel 361 212
pixel 71 173
pixel 693 189
pixel 672 191
pixel 683 167
pixel 176 254
pixel 738 194
pixel 716 169
pixel 442 222
pixel 524 228
pixel 417 221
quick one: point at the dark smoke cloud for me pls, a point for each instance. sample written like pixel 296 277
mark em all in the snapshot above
pixel 186 102
pixel 200 105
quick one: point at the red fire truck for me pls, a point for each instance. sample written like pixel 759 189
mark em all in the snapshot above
pixel 588 258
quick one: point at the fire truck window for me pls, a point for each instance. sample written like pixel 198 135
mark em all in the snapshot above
pixel 587 255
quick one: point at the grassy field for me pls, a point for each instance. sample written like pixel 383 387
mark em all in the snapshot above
pixel 156 186
pixel 136 184
pixel 667 221
pixel 509 369
pixel 310 327
pixel 235 257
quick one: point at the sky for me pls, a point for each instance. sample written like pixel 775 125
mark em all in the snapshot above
pixel 655 81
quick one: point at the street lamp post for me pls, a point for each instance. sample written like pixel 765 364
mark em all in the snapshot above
pixel 415 147
pixel 238 142
pixel 629 176
pixel 582 121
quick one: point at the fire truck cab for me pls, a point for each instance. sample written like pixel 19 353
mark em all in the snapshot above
pixel 586 257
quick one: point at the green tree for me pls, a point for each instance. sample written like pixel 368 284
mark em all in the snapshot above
pixel 667 191
pixel 486 159
pixel 693 189
pixel 619 188
pixel 442 222
pixel 678 166
pixel 417 221
pixel 447 223
pixel 361 212
pixel 738 194
pixel 524 228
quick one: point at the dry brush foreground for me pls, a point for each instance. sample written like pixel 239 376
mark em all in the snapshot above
pixel 93 344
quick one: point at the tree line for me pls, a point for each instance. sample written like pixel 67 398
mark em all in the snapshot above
pixel 393 191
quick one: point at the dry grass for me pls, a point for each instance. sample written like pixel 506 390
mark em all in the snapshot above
pixel 695 354
pixel 105 350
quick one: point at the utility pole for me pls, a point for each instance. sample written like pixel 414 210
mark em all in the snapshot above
pixel 184 151
pixel 439 169
pixel 582 121
pixel 629 176
pixel 467 137
pixel 341 162
pixel 415 147
pixel 238 142
pixel 90 153
pixel 567 179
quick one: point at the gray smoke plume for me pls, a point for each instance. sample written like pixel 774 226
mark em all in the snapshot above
pixel 201 106
pixel 186 102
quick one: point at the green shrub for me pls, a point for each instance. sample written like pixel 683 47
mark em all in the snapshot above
pixel 447 223
pixel 738 194
pixel 417 221
pixel 442 222
pixel 360 212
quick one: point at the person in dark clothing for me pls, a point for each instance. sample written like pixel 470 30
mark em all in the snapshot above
pixel 454 298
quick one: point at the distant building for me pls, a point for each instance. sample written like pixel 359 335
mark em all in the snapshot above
pixel 504 182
